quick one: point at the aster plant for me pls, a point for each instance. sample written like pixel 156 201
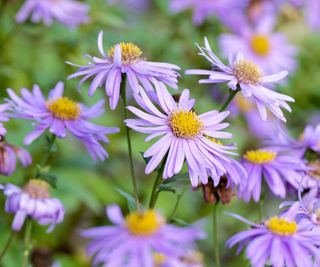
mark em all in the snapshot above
pixel 60 115
pixel 124 60
pixel 247 77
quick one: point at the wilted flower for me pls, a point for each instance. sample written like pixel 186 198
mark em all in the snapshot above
pixel 68 12
pixel 135 239
pixel 276 168
pixel 9 155
pixel 124 58
pixel 279 241
pixel 247 76
pixel 184 135
pixel 206 8
pixel 269 50
pixel 34 201
pixel 59 114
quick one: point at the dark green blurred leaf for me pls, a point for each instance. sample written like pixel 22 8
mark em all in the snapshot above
pixel 130 200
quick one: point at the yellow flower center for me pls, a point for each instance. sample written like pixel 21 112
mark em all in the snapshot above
pixel 282 226
pixel 185 124
pixel 130 53
pixel 144 224
pixel 247 72
pixel 64 108
pixel 37 188
pixel 243 103
pixel 260 156
pixel 260 44
pixel 158 259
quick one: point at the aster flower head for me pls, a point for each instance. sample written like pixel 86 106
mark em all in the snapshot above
pixel 206 8
pixel 136 239
pixel 184 135
pixel 247 76
pixel 124 59
pixel 276 168
pixel 61 115
pixel 191 259
pixel 67 12
pixel 9 155
pixel 279 241
pixel 268 49
pixel 33 201
pixel 312 10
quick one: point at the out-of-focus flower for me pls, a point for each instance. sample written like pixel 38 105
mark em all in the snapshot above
pixel 206 8
pixel 312 10
pixel 59 114
pixel 276 168
pixel 124 58
pixel 279 241
pixel 34 201
pixel 68 12
pixel 191 259
pixel 184 135
pixel 4 116
pixel 9 155
pixel 270 50
pixel 135 239
pixel 247 76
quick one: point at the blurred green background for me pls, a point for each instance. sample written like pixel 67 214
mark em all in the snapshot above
pixel 36 54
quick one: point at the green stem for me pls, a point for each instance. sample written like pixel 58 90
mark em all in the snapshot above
pixel 157 182
pixel 231 96
pixel 49 149
pixel 7 245
pixel 215 236
pixel 179 196
pixel 27 245
pixel 125 113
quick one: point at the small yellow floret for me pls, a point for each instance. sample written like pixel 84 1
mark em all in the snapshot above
pixel 37 188
pixel 144 224
pixel 260 44
pixel 130 53
pixel 282 226
pixel 214 140
pixel 185 124
pixel 260 156
pixel 64 108
pixel 247 72
pixel 158 259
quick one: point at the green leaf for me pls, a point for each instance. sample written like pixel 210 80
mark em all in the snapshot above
pixel 130 199
pixel 179 222
pixel 49 178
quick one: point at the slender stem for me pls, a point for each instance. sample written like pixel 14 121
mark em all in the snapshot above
pixel 179 196
pixel 7 245
pixel 232 94
pixel 49 149
pixel 157 182
pixel 27 245
pixel 215 236
pixel 125 113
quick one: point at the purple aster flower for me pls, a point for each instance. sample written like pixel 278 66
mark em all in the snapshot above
pixel 134 240
pixel 248 77
pixel 124 58
pixel 270 50
pixel 312 11
pixel 8 158
pixel 34 201
pixel 61 115
pixel 205 8
pixel 192 259
pixel 68 12
pixel 4 116
pixel 276 168
pixel 183 133
pixel 279 241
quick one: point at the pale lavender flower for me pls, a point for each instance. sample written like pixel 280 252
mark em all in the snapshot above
pixel 33 201
pixel 4 116
pixel 276 168
pixel 312 11
pixel 61 115
pixel 279 241
pixel 183 133
pixel 68 12
pixel 247 76
pixel 124 59
pixel 206 8
pixel 268 49
pixel 134 240
pixel 8 158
